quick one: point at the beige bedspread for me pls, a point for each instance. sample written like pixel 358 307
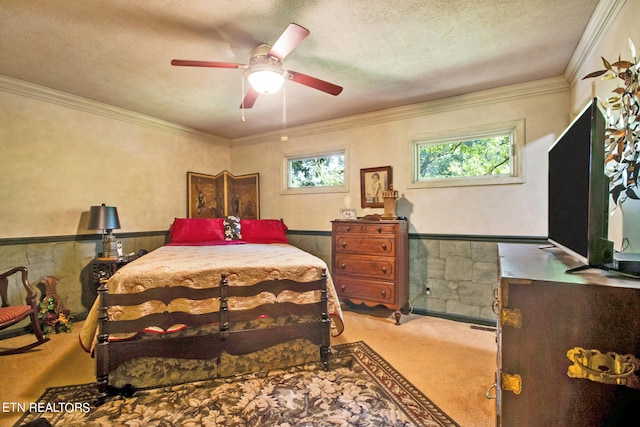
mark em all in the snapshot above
pixel 203 266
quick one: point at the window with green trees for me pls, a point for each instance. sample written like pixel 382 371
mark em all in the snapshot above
pixel 319 171
pixel 489 156
pixel 476 157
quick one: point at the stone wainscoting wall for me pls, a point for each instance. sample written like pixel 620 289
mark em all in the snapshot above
pixel 448 278
pixel 68 258
pixel 452 277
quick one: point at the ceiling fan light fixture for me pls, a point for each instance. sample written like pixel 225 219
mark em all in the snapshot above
pixel 265 79
pixel 264 71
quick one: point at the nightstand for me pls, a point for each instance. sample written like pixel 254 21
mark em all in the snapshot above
pixel 103 268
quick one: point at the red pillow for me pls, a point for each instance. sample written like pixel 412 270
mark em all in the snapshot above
pixel 193 230
pixel 263 231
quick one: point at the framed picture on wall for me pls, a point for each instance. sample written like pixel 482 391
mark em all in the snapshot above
pixel 217 196
pixel 372 182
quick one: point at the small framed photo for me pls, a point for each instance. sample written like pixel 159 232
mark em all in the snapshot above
pixel 348 214
pixel 373 181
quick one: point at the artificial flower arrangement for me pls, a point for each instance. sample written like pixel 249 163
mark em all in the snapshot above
pixel 622 145
pixel 53 318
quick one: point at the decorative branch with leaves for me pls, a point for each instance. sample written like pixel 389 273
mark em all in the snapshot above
pixel 622 144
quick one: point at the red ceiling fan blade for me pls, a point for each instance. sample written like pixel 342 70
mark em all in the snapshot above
pixel 190 63
pixel 306 80
pixel 288 40
pixel 249 98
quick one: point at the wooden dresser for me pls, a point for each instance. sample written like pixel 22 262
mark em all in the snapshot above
pixel 568 343
pixel 370 263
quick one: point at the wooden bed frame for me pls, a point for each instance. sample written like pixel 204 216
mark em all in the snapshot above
pixel 112 353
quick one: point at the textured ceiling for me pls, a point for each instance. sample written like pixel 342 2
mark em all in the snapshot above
pixel 384 53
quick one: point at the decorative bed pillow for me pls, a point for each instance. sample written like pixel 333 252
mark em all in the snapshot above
pixel 264 231
pixel 193 230
pixel 232 230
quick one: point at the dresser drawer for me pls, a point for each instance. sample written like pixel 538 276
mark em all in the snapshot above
pixel 381 268
pixel 382 228
pixel 346 243
pixel 348 227
pixel 371 229
pixel 370 290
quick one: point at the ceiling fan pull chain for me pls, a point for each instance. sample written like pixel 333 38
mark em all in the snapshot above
pixel 284 136
pixel 242 102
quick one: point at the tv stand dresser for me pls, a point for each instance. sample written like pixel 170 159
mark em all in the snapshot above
pixel 371 263
pixel 568 343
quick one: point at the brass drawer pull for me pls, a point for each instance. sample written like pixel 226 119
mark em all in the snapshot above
pixel 607 368
pixel 343 266
pixel 384 293
pixel 491 392
pixel 343 244
pixel 384 246
pixel 384 270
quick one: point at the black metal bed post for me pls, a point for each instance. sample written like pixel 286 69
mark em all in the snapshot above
pixel 102 348
pixel 224 308
pixel 325 348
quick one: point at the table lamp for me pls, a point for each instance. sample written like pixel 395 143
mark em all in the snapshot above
pixel 105 218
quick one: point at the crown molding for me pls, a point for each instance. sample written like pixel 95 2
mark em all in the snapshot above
pixel 42 93
pixel 603 17
pixel 491 96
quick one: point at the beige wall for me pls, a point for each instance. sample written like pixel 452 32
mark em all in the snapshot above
pixel 612 42
pixel 518 209
pixel 57 160
pixel 60 154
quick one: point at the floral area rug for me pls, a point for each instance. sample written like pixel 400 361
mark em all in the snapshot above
pixel 359 389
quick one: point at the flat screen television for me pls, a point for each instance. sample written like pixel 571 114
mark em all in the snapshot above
pixel 579 190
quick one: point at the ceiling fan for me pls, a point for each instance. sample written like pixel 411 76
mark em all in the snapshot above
pixel 265 72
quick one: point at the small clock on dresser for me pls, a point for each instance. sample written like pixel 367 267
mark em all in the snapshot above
pixel 370 263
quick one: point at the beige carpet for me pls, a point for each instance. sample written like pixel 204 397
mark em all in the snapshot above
pixel 448 361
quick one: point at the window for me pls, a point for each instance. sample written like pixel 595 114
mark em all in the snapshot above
pixel 479 157
pixel 324 172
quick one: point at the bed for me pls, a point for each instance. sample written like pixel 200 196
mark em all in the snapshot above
pixel 222 298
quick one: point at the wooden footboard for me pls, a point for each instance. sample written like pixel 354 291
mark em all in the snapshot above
pixel 222 337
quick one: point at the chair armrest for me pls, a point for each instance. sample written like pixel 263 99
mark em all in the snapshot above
pixel 31 293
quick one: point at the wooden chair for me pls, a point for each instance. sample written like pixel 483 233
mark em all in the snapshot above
pixel 10 315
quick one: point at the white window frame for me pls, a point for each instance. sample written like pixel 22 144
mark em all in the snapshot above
pixel 287 158
pixel 516 175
